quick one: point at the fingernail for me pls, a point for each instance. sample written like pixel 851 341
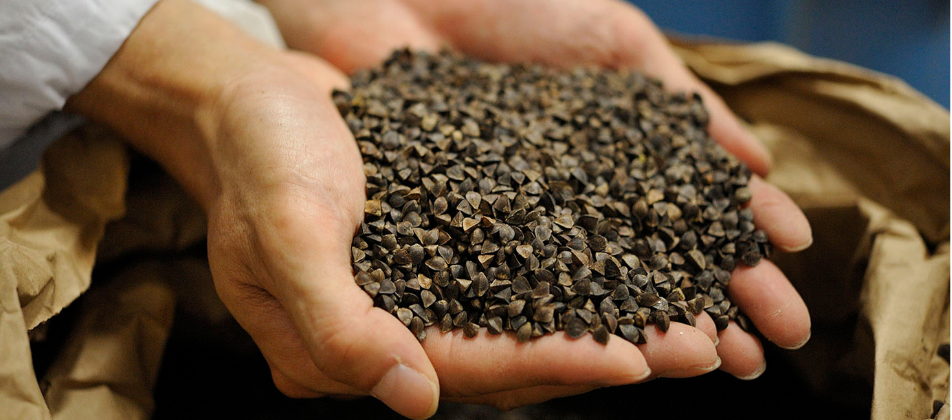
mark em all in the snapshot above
pixel 626 379
pixel 798 345
pixel 692 371
pixel 756 374
pixel 717 340
pixel 763 160
pixel 408 392
pixel 797 248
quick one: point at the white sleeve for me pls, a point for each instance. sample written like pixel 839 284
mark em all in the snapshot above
pixel 50 49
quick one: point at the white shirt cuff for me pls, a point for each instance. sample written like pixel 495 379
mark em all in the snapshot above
pixel 51 49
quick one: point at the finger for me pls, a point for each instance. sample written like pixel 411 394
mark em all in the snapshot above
pixel 318 71
pixel 292 389
pixel 681 352
pixel 292 369
pixel 351 341
pixel 641 45
pixel 771 302
pixel 775 213
pixel 577 32
pixel 351 34
pixel 508 400
pixel 491 363
pixel 706 325
pixel 741 353
pixel 724 126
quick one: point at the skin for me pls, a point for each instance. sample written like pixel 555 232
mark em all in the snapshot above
pixel 250 132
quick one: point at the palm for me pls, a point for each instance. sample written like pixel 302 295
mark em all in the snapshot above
pixel 284 229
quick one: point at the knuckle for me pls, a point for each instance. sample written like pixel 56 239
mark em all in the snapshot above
pixel 506 402
pixel 338 348
pixel 291 389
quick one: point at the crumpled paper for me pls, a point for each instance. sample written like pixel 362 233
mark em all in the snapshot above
pixel 864 155
pixel 867 158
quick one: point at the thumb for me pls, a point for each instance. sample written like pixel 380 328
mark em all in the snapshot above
pixel 348 339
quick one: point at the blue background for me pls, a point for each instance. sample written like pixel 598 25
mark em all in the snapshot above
pixel 908 39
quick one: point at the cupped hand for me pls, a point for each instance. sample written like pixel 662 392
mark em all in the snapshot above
pixel 280 230
pixel 358 34
pixel 251 133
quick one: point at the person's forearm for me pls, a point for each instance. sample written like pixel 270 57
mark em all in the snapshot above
pixel 161 90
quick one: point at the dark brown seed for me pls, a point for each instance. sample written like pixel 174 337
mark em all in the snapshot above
pixel 607 307
pixel 428 298
pixel 405 316
pixel 363 279
pixel 386 302
pixel 524 251
pixel 372 207
pixel 583 287
pixel 541 290
pixel 658 261
pixel 494 325
pixel 418 310
pixel 402 256
pixel 586 315
pixel 417 328
pixel 751 258
pixel 688 318
pixel 601 334
pixel 446 323
pixel 744 323
pixel 436 263
pixel 515 308
pixel 631 261
pixel 696 258
pixel 543 233
pixel 641 317
pixel 387 287
pixel 517 322
pixel 481 285
pixel 661 319
pixel 721 322
pixel 629 305
pixel 405 228
pixel 565 221
pixel 640 222
pixel 676 295
pixel 575 327
pixel 455 307
pixel 648 299
pixel 439 206
pixel 520 285
pixel 742 195
pixel 630 333
pixel 544 313
pixel 597 243
pixel 524 333
pixel 470 329
pixel 620 293
pixel 609 321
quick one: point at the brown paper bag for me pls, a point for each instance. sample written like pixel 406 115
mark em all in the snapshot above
pixel 865 156
pixel 849 142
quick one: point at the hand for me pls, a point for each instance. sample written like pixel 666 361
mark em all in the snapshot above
pixel 565 33
pixel 252 134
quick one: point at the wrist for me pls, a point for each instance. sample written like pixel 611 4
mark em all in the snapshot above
pixel 162 90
